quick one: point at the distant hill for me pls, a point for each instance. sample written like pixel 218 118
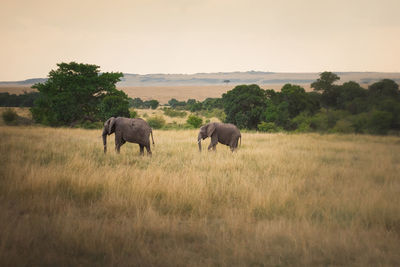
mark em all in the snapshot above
pixel 231 78
pixel 28 82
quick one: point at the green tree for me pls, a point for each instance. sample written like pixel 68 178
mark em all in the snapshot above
pixel 114 106
pixel 197 106
pixel 175 103
pixel 330 92
pixel 194 120
pixel 325 81
pixel 74 92
pixel 278 113
pixel 211 103
pixel 296 97
pixel 153 104
pixel 244 105
pixel 348 93
pixel 379 122
pixel 136 102
pixel 384 88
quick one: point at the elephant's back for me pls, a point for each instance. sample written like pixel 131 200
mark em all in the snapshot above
pixel 230 128
pixel 140 123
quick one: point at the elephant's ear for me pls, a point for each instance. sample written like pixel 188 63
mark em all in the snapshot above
pixel 210 129
pixel 111 124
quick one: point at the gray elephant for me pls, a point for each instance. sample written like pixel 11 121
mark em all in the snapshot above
pixel 225 133
pixel 128 130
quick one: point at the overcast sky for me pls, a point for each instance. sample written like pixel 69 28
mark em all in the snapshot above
pixel 184 36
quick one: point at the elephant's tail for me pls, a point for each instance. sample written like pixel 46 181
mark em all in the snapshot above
pixel 240 143
pixel 151 132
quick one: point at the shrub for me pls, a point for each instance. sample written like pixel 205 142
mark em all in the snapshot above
pixel 214 113
pixel 344 126
pixel 174 113
pixel 302 123
pixel 379 122
pixel 156 122
pixel 132 113
pixel 319 122
pixel 327 119
pixel 359 122
pixel 10 117
pixel 195 121
pixel 269 127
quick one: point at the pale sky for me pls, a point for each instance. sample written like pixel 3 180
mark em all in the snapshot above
pixel 184 36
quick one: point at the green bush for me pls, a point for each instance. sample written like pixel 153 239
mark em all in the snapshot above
pixel 195 121
pixel 327 119
pixel 359 122
pixel 379 122
pixel 214 113
pixel 156 122
pixel 174 113
pixel 10 117
pixel 344 126
pixel 302 123
pixel 132 113
pixel 269 127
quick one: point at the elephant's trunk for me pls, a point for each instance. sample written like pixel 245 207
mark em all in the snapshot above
pixel 105 140
pixel 199 142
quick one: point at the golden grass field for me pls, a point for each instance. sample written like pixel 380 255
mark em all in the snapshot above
pixel 282 199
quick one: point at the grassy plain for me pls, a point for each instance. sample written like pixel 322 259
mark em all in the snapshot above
pixel 282 199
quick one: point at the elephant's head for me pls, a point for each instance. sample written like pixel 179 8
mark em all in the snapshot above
pixel 109 128
pixel 205 131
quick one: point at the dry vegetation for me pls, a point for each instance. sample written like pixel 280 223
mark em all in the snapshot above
pixel 148 113
pixel 15 89
pixel 280 200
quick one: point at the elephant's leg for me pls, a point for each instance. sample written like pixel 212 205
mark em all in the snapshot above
pixel 141 149
pixel 233 145
pixel 118 142
pixel 214 142
pixel 148 150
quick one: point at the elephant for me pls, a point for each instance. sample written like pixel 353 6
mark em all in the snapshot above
pixel 128 130
pixel 225 133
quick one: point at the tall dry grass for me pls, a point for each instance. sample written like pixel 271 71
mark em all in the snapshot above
pixel 280 200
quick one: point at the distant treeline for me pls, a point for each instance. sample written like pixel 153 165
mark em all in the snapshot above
pixel 191 104
pixel 346 108
pixel 22 100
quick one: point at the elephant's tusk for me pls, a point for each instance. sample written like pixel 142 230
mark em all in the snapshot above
pixel 198 141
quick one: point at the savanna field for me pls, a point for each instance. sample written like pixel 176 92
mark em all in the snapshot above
pixel 282 199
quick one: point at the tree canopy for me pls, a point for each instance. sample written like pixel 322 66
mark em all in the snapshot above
pixel 75 92
pixel 244 105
